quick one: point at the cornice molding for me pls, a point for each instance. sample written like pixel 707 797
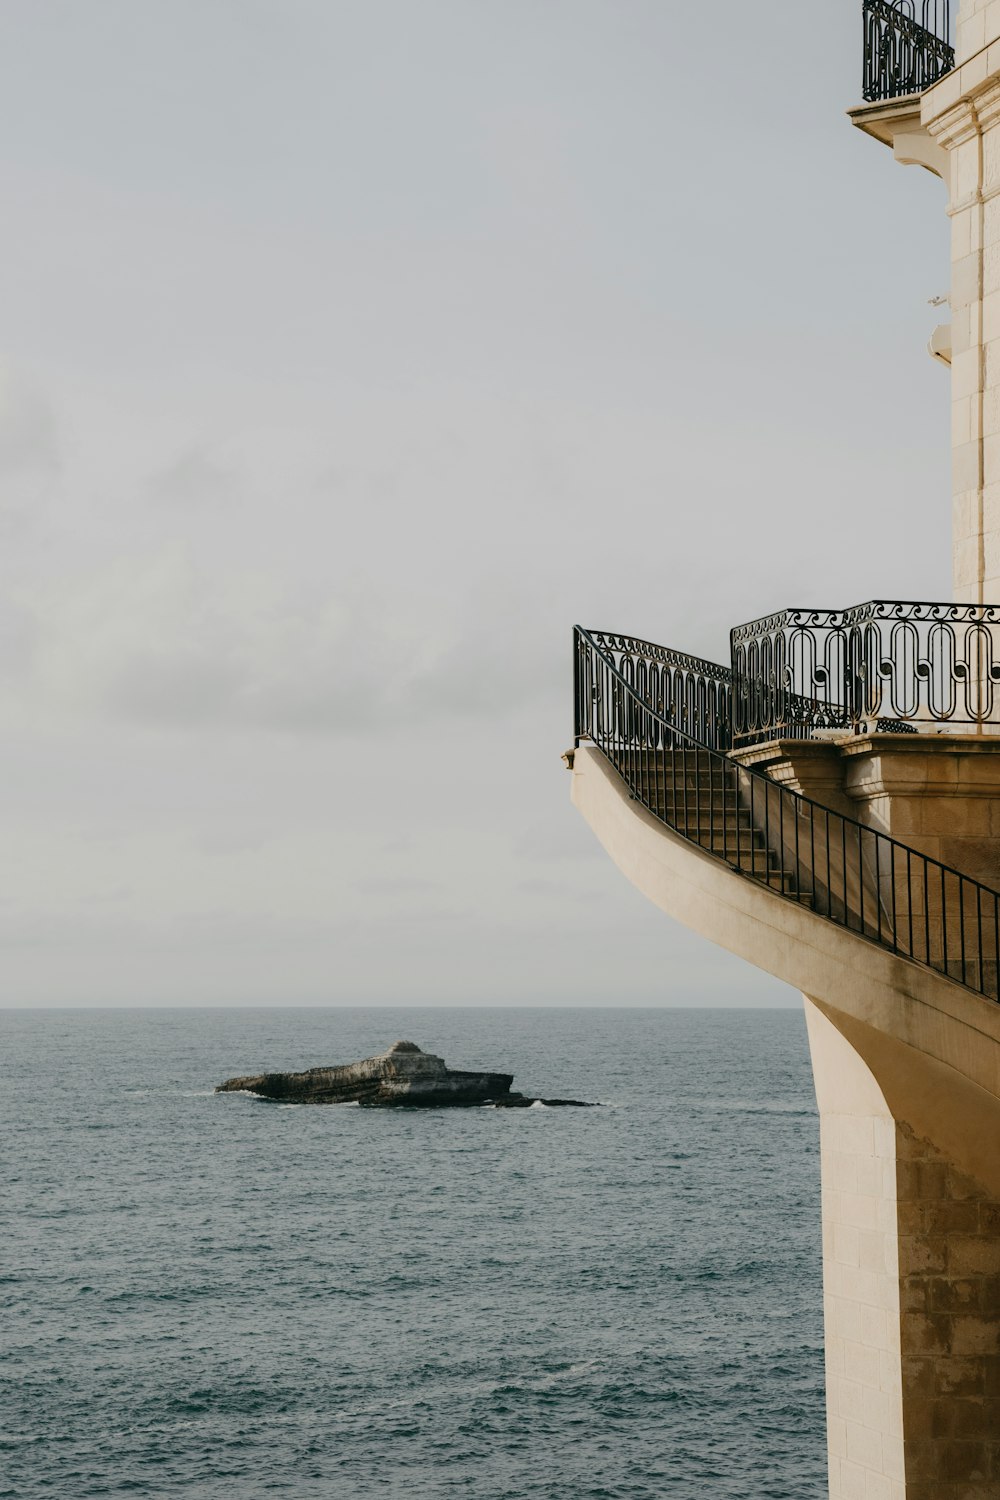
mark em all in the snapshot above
pixel 987 102
pixel 976 111
pixel 956 125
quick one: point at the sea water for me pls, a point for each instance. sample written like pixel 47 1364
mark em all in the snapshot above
pixel 213 1296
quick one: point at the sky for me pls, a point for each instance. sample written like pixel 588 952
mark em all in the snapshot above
pixel 351 351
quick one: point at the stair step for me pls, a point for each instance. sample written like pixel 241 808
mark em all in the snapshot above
pixel 718 843
pixel 704 820
pixel 691 783
pixel 707 827
pixel 727 809
pixel 756 861
pixel 707 820
pixel 787 884
pixel 702 804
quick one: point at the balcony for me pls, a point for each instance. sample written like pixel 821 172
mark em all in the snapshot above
pixel 664 732
pixel 906 47
pixel 886 665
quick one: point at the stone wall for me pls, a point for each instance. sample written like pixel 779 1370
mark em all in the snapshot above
pixel 978 26
pixel 949 1261
pixel 962 115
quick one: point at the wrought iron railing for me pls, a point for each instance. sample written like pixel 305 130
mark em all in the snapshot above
pixel 856 877
pixel 887 664
pixel 906 46
pixel 694 694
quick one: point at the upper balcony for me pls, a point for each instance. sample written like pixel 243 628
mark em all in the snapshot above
pixel 906 47
pixel 889 665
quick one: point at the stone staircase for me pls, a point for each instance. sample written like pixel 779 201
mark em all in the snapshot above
pixel 702 799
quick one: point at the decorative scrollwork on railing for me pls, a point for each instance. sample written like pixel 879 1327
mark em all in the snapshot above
pixel 786 676
pixel 906 47
pixel 887 660
pixel 692 694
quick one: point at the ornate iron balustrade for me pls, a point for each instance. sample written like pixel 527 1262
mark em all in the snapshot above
pixel 856 877
pixel 695 695
pixel 906 46
pixel 886 664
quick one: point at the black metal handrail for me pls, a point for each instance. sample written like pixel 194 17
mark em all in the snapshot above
pixel 709 700
pixel 887 663
pixel 906 47
pixel 687 690
pixel 860 879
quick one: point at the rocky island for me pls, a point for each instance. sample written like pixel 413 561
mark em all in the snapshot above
pixel 403 1077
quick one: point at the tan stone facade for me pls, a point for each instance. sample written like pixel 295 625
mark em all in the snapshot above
pixel 978 26
pixel 961 114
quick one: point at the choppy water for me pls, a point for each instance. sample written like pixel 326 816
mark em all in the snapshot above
pixel 212 1296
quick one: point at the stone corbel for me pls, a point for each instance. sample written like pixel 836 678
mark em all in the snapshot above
pixel 916 148
pixel 897 124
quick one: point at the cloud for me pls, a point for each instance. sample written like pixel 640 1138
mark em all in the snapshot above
pixel 160 642
pixel 398 885
pixel 223 843
pixel 555 839
pixel 195 478
pixel 29 454
pixel 28 438
pixel 19 639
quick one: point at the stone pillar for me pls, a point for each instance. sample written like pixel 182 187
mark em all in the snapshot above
pixel 864 1390
pixel 911 1271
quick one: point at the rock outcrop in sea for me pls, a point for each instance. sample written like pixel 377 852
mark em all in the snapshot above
pixel 403 1077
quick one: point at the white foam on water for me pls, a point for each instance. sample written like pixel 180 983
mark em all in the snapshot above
pixel 538 1105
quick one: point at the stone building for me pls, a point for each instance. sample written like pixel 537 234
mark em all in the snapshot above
pixel 827 805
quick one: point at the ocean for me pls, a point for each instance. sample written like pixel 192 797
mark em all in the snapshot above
pixel 212 1296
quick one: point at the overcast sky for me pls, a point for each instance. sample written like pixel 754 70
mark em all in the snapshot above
pixel 351 351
